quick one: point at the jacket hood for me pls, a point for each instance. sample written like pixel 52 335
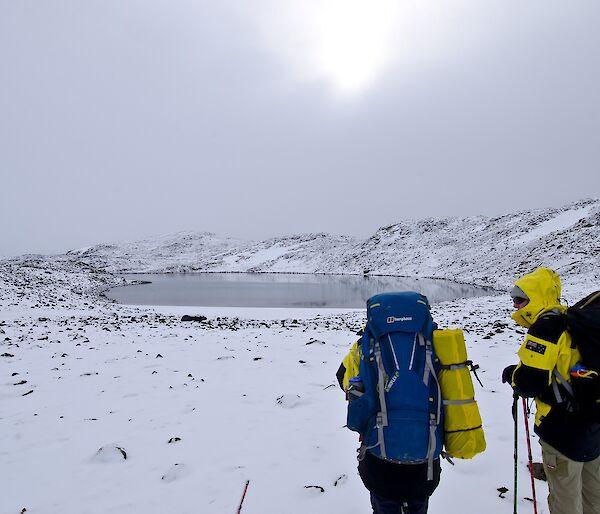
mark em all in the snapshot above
pixel 542 287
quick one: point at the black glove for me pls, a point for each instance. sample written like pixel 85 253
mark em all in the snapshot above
pixel 508 373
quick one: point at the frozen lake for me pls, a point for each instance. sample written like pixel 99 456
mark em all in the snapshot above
pixel 278 289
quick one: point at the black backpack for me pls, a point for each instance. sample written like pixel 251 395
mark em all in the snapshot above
pixel 583 324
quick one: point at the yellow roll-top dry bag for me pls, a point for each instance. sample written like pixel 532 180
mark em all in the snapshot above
pixel 463 436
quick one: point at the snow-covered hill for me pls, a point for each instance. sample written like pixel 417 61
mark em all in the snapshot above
pixel 480 250
pixel 181 251
pixel 51 282
pixel 489 251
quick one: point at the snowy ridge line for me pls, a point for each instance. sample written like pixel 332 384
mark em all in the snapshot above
pixel 479 250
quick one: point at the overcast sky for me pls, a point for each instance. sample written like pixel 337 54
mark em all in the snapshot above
pixel 123 119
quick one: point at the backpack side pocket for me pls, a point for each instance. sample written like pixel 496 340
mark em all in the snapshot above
pixel 360 410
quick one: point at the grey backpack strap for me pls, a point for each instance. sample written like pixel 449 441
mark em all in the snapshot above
pixel 563 381
pixel 428 364
pixel 434 417
pixel 459 402
pixel 382 418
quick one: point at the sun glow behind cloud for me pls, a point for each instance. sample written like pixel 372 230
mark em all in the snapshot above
pixel 351 44
pixel 354 40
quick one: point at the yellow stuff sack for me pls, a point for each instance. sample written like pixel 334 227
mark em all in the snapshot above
pixel 463 436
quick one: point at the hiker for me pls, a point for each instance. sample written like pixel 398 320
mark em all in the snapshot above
pixel 569 435
pixel 397 487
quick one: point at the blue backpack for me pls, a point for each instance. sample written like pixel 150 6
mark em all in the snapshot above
pixel 399 413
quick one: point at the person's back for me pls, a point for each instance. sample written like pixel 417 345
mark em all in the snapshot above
pixel 396 403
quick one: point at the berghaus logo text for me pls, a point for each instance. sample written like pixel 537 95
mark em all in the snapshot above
pixel 394 319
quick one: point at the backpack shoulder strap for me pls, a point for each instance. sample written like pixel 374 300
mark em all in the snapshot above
pixel 549 326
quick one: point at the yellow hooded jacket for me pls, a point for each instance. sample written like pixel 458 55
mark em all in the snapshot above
pixel 552 354
pixel 350 364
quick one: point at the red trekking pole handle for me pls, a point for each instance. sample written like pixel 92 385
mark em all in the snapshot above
pixel 530 465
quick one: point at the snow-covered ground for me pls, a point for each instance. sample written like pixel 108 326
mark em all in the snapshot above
pixel 121 409
pixel 250 394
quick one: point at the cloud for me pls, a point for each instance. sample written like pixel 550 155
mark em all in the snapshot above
pixel 124 119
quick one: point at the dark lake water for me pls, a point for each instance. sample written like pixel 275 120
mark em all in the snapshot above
pixel 278 290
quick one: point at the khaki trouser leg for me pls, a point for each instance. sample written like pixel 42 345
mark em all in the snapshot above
pixel 564 482
pixel 591 487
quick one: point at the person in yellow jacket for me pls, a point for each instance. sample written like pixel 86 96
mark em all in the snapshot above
pixel 569 436
pixel 349 366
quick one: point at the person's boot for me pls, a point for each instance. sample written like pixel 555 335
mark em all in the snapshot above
pixel 538 471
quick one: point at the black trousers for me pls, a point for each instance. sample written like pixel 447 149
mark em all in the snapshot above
pixel 383 505
pixel 398 482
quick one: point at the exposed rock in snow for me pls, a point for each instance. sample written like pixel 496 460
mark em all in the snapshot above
pixel 110 453
pixel 289 401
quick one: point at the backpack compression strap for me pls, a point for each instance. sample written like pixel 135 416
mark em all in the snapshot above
pixel 559 378
pixel 434 417
pixel 382 418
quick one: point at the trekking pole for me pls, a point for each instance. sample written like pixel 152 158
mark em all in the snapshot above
pixel 243 496
pixel 515 413
pixel 525 417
